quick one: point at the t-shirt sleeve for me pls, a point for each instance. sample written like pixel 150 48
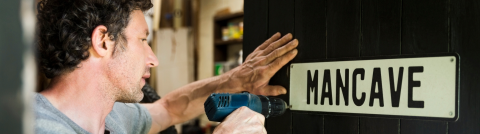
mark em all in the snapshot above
pixel 132 117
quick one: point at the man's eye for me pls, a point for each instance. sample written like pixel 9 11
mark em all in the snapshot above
pixel 144 39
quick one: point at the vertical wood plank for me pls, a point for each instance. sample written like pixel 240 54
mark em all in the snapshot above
pixel 280 16
pixel 379 126
pixel 305 123
pixel 465 31
pixel 381 24
pixel 424 30
pixel 280 19
pixel 340 124
pixel 343 40
pixel 424 26
pixel 256 25
pixel 310 29
pixel 343 28
pixel 423 127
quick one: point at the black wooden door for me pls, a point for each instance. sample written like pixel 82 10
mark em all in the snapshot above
pixel 358 28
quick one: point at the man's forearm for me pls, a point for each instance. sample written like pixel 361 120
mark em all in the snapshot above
pixel 186 102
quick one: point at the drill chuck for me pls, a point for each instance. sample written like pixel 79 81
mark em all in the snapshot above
pixel 219 105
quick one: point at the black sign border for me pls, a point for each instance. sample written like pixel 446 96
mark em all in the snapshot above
pixel 457 87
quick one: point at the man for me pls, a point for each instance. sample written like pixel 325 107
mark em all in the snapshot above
pixel 97 55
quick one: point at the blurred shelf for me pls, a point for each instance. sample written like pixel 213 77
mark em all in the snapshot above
pixel 222 47
pixel 228 16
pixel 228 42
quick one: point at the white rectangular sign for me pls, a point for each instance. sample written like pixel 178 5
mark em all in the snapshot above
pixel 423 87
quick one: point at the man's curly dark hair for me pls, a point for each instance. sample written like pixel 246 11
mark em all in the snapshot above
pixel 65 28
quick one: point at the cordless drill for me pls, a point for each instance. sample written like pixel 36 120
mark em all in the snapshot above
pixel 219 105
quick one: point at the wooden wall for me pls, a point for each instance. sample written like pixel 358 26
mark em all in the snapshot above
pixel 357 28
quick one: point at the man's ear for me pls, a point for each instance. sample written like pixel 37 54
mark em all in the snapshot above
pixel 101 43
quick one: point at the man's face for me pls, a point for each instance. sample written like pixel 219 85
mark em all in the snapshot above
pixel 129 68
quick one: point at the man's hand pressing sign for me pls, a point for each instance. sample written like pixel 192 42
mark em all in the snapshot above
pixel 254 74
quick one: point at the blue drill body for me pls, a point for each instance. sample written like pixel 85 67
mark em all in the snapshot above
pixel 219 105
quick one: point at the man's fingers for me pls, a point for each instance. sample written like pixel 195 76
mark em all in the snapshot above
pixel 277 44
pixel 272 39
pixel 242 120
pixel 281 51
pixel 273 90
pixel 280 62
pixel 260 117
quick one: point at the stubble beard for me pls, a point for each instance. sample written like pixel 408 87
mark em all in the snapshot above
pixel 124 88
pixel 133 96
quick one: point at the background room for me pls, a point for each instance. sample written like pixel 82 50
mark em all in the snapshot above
pixel 193 40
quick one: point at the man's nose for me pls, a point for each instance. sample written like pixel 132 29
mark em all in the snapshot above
pixel 152 60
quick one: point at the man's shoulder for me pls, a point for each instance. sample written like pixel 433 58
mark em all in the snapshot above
pixel 129 117
pixel 48 119
pixel 44 111
pixel 49 126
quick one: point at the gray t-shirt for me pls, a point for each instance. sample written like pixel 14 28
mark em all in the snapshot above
pixel 125 118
